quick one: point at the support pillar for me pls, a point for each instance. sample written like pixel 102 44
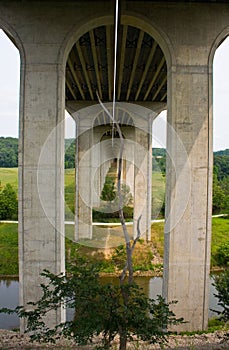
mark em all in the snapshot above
pixel 41 178
pixel 83 227
pixel 188 195
pixel 143 178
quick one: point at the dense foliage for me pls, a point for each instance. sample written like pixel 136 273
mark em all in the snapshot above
pixel 8 152
pixel 100 309
pixel 70 153
pixel 8 203
pixel 108 211
pixel 222 255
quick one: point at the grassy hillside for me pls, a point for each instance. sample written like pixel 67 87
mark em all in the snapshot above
pixel 9 175
pixel 69 181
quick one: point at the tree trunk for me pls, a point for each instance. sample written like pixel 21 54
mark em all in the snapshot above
pixel 123 341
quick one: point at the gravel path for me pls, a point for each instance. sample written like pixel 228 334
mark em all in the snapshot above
pixel 212 341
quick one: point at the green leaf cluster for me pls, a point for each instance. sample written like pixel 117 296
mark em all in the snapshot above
pixel 104 310
pixel 220 198
pixel 222 254
pixel 8 152
pixel 70 153
pixel 8 203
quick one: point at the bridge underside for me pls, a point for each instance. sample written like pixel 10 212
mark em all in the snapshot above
pixel 141 66
pixel 165 55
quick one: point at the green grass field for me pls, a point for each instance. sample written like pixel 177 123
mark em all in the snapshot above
pixel 9 246
pixel 8 232
pixel 158 194
pixel 9 175
pixel 69 193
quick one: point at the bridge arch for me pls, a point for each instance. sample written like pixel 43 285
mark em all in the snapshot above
pixel 216 43
pixel 15 38
pixel 132 19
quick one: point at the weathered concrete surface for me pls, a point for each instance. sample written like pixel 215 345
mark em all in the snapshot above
pixel 188 34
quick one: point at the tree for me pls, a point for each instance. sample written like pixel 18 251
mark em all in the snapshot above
pixel 8 203
pixel 100 309
pixel 218 197
pixel 222 255
pixel 70 153
pixel 108 310
pixel 221 282
pixel 8 152
pixel 108 193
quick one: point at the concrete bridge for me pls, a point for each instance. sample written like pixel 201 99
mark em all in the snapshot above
pixel 165 57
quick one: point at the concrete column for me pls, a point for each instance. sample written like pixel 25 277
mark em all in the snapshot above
pixel 84 210
pixel 188 195
pixel 41 177
pixel 143 175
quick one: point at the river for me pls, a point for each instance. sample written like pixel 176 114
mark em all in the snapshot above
pixel 151 286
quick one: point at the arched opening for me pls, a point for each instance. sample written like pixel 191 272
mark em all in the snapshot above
pixel 159 129
pixel 220 203
pixel 9 120
pixel 105 208
pixel 141 78
pixel 9 130
pixel 69 173
pixel 220 96
pixel 10 82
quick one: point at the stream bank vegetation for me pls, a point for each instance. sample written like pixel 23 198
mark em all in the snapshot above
pixel 147 257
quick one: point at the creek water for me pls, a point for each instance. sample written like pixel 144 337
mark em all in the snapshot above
pixel 9 290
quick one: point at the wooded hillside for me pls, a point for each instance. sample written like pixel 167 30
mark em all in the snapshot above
pixel 9 153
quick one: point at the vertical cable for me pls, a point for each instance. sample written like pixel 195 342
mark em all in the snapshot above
pixel 115 66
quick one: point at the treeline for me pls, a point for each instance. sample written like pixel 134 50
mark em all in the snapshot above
pixel 9 153
pixel 9 156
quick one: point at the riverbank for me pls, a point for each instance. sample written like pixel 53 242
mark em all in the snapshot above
pixel 155 273
pixel 218 340
pixel 109 253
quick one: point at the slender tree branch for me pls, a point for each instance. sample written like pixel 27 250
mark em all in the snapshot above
pixel 129 248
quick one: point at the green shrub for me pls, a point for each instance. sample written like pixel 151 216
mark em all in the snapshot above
pixel 100 309
pixel 222 254
pixel 8 203
pixel 101 215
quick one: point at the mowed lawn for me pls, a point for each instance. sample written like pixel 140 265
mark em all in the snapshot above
pixel 9 175
pixel 9 242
